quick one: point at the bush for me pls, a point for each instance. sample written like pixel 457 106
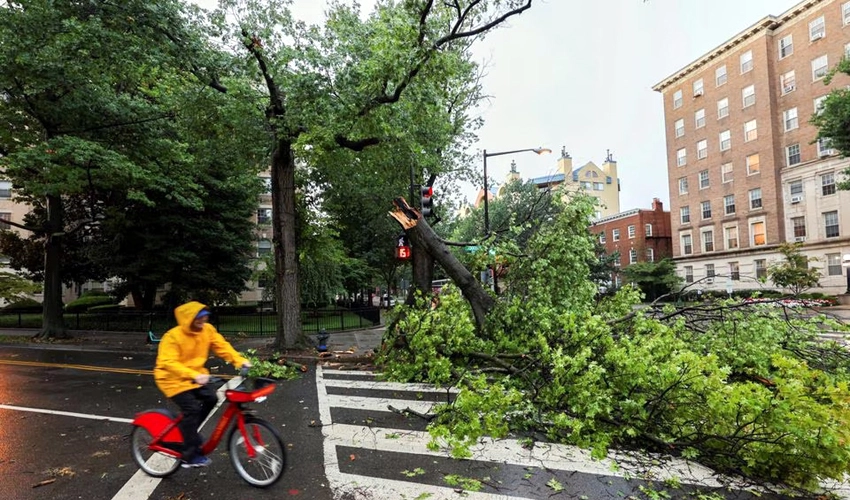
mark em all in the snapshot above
pixel 84 303
pixel 94 293
pixel 24 306
pixel 105 308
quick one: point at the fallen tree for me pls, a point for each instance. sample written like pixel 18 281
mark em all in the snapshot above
pixel 743 389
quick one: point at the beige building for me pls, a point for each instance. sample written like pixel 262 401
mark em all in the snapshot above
pixel 600 182
pixel 745 171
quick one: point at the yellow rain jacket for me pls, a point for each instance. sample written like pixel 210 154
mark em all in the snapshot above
pixel 183 352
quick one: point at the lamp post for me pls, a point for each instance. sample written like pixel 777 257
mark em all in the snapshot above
pixel 538 151
pixel 845 263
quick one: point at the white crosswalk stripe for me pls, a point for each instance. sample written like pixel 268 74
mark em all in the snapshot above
pixel 503 451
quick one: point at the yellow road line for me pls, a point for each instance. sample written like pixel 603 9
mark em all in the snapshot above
pixel 131 371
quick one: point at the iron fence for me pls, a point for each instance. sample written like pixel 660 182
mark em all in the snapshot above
pixel 251 324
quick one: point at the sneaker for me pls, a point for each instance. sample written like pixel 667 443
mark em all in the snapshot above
pixel 198 461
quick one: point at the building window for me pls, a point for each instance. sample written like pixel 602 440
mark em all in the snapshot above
pixel 729 204
pixel 705 208
pixel 708 241
pixel 720 76
pixel 734 271
pixel 5 189
pixel 746 61
pixel 788 82
pixel 827 183
pixel 786 46
pixel 702 149
pixel 598 186
pixel 796 188
pixel 731 237
pixel 264 216
pixel 602 237
pixel 677 99
pixel 615 234
pixel 825 147
pixel 267 185
pixel 689 274
pixel 757 233
pixel 723 108
pixel 586 185
pixel 751 132
pixel 847 50
pixel 845 13
pixel 680 127
pixel 647 230
pixel 631 229
pixel 683 185
pixel 5 216
pixel 709 271
pixel 726 172
pixel 830 224
pixel 820 67
pixel 264 247
pixel 818 104
pixel 632 256
pixel 753 165
pixel 792 154
pixel 681 157
pixel 748 94
pixel 687 244
pixel 703 179
pixel 799 228
pixel 699 118
pixel 817 29
pixel 761 269
pixel 833 264
pixel 755 199
pixel 650 255
pixel 725 140
pixel 698 88
pixel 685 215
pixel 790 118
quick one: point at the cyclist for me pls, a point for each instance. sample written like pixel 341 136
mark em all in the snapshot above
pixel 181 375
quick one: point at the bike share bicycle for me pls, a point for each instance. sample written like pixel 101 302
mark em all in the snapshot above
pixel 256 450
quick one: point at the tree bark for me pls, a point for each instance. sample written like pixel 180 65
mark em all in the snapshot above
pixel 52 320
pixel 287 299
pixel 427 243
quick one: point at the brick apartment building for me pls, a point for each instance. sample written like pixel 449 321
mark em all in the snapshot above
pixel 745 171
pixel 638 235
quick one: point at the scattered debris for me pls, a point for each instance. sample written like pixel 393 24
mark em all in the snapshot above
pixel 44 483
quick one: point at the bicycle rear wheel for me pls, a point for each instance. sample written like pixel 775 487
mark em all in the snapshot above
pixel 266 467
pixel 154 463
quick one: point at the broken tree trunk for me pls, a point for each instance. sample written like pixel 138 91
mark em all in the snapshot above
pixel 424 239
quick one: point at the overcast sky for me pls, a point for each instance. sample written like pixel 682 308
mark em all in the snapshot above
pixel 579 74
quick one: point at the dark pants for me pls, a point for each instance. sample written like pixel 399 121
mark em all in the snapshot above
pixel 195 405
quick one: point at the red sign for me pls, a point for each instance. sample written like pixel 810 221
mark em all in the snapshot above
pixel 402 252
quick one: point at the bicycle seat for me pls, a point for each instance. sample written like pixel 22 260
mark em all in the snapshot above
pixel 255 389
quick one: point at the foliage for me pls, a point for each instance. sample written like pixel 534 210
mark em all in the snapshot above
pixel 84 303
pixel 833 120
pixel 794 273
pixel 742 388
pixel 23 305
pixel 14 287
pixel 654 279
pixel 269 368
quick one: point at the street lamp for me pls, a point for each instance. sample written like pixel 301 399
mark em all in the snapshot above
pixel 538 151
pixel 845 263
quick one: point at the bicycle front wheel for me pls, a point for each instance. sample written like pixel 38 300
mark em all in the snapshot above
pixel 154 463
pixel 269 455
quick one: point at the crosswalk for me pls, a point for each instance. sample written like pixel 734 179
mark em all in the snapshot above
pixel 371 452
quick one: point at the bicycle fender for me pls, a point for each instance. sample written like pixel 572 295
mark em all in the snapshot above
pixel 157 421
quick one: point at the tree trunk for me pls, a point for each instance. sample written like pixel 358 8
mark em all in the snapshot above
pixel 427 243
pixel 52 321
pixel 423 271
pixel 287 299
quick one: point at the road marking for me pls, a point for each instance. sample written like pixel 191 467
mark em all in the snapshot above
pixel 379 404
pixel 390 386
pixel 67 414
pixel 141 486
pixel 92 368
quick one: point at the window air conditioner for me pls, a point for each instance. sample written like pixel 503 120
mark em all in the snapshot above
pixel 817 36
pixel 697 93
pixel 789 88
pixel 796 199
pixel 800 239
pixel 709 281
pixel 826 152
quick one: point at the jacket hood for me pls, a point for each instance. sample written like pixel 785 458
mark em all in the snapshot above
pixel 186 313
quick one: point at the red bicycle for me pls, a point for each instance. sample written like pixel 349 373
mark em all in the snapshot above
pixel 256 450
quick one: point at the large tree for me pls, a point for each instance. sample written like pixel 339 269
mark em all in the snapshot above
pixel 340 84
pixel 833 117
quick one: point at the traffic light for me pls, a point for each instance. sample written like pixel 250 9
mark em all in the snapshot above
pixel 426 200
